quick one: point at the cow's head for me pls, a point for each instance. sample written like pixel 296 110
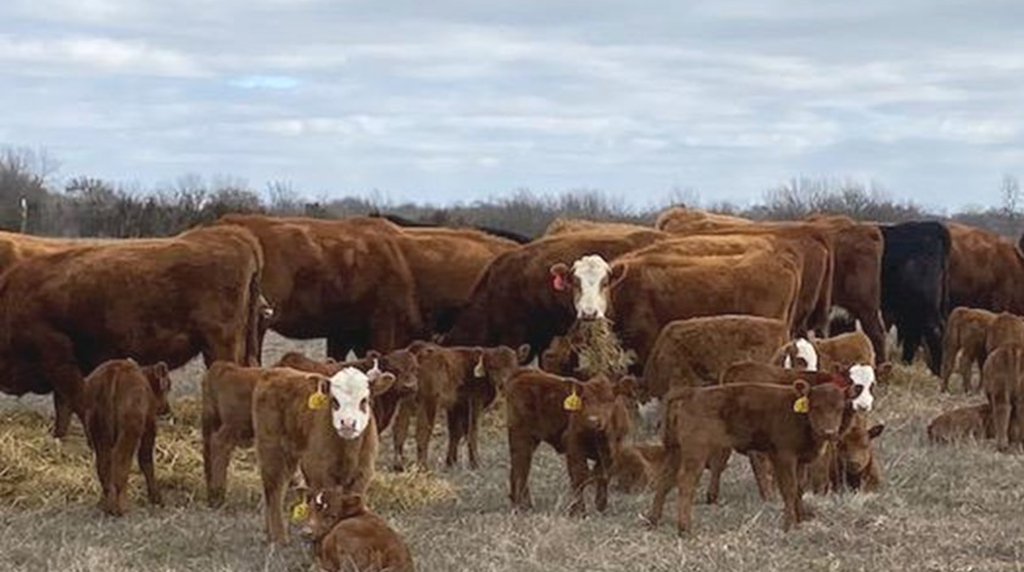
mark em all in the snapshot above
pixel 328 507
pixel 499 363
pixel 800 354
pixel 601 410
pixel 350 392
pixel 160 382
pixel 856 455
pixel 826 404
pixel 590 279
pixel 559 358
pixel 404 365
pixel 862 378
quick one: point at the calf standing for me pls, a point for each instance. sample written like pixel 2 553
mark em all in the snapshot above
pixel 790 424
pixel 460 381
pixel 122 402
pixel 323 426
pixel 591 428
pixel 849 463
pixel 349 536
pixel 1005 329
pixel 971 421
pixel 1003 378
pixel 963 344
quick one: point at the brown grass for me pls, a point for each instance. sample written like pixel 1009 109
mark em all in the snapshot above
pixel 598 349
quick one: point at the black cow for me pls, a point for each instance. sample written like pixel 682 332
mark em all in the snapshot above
pixel 915 290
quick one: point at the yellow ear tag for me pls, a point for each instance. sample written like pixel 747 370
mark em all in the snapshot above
pixel 478 369
pixel 317 400
pixel 572 402
pixel 801 405
pixel 300 512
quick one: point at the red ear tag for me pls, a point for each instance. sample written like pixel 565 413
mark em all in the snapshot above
pixel 558 283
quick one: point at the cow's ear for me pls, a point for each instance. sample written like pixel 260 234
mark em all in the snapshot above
pixel 381 384
pixel 617 274
pixel 559 276
pixel 323 384
pixel 330 361
pixel 523 354
pixel 876 430
pixel 801 388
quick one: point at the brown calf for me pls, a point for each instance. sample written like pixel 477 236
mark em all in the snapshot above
pixel 963 344
pixel 849 463
pixel 745 417
pixel 1003 376
pixel 462 382
pixel 537 411
pixel 347 535
pixel 1006 329
pixel 969 422
pixel 323 426
pixel 844 351
pixel 122 402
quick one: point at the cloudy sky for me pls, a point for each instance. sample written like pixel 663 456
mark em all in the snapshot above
pixel 447 100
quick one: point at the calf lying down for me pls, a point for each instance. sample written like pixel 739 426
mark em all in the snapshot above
pixel 349 536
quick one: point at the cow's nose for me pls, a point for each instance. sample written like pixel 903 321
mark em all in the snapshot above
pixel 588 314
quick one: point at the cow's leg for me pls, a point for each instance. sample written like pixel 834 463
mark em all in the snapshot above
pixel 966 363
pixel 108 494
pixel 688 478
pixel 760 465
pixel 785 466
pixel 933 340
pixel 62 412
pixel 125 447
pixel 521 456
pixel 426 414
pixel 665 481
pixel 458 419
pixel 601 469
pixel 221 446
pixel 950 356
pixel 872 325
pixel 400 431
pixel 223 343
pixel 579 476
pixel 473 431
pixel 911 341
pixel 275 470
pixel 717 462
pixel 67 382
pixel 145 458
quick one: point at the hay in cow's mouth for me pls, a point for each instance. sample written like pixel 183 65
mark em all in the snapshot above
pixel 598 349
pixel 37 471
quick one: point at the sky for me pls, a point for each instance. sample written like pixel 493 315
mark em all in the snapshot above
pixel 446 101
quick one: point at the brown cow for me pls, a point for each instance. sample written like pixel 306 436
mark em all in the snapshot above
pixel 968 422
pixel 323 426
pixel 402 363
pixel 849 463
pixel 641 293
pixel 683 220
pixel 985 270
pixel 460 381
pixel 963 344
pixel 697 351
pixel 514 302
pixel 153 300
pixel 745 417
pixel 1004 386
pixel 122 402
pixel 564 225
pixel 345 280
pixel 1005 329
pixel 536 411
pixel 347 535
pixel 844 351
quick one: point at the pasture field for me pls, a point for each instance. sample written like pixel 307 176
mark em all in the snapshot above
pixel 957 507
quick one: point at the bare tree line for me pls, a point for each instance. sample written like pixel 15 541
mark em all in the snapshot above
pixel 92 207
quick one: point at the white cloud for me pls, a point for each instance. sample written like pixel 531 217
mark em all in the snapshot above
pixel 96 55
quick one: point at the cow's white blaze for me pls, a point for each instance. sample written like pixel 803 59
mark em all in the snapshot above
pixel 864 376
pixel 805 351
pixel 350 402
pixel 591 271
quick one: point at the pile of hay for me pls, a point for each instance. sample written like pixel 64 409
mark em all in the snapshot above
pixel 598 350
pixel 38 471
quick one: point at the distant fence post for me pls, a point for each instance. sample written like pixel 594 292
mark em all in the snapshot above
pixel 24 214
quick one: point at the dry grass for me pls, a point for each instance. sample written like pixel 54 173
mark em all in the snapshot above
pixel 598 349
pixel 957 507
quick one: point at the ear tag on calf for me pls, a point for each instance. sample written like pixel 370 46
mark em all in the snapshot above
pixel 801 405
pixel 478 369
pixel 300 512
pixel 317 400
pixel 572 402
pixel 558 283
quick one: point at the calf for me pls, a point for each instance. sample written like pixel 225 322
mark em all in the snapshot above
pixel 349 536
pixel 461 381
pixel 1005 329
pixel 1003 376
pixel 636 467
pixel 963 344
pixel 541 407
pixel 402 363
pixel 849 463
pixel 122 402
pixel 790 424
pixel 325 426
pixel 827 354
pixel 860 377
pixel 971 421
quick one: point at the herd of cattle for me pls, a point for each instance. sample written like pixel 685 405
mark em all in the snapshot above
pixel 717 313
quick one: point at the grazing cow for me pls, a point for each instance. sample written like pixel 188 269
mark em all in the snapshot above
pixel 636 467
pixel 790 424
pixel 963 344
pixel 968 422
pixel 323 426
pixel 1003 380
pixel 695 352
pixel 460 381
pixel 122 402
pixel 153 300
pixel 347 535
pixel 915 289
pixel 985 271
pixel 1005 329
pixel 402 363
pixel 320 271
pixel 641 293
pixel 848 463
pixel 516 301
pixel 581 420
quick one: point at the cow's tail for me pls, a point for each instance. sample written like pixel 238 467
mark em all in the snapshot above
pixel 254 321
